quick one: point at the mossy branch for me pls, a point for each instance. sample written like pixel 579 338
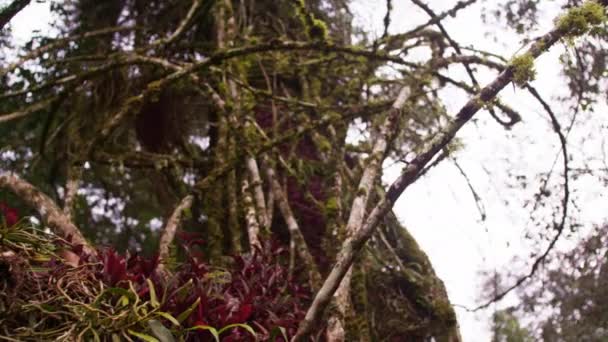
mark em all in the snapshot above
pixel 50 213
pixel 409 175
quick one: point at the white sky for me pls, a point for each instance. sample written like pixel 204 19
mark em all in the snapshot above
pixel 439 209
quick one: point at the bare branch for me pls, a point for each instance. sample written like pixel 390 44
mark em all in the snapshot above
pixel 387 17
pixel 196 4
pixel 434 20
pixel 27 110
pixel 478 201
pixel 59 43
pixel 8 12
pixel 559 226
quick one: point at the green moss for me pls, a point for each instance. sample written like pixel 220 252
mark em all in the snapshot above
pixel 523 69
pixel 361 192
pixel 332 205
pixel 444 312
pixel 478 101
pixel 580 19
pixel 323 144
pixel 317 29
pixel 358 328
pixel 250 134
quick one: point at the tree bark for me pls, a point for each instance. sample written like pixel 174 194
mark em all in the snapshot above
pixel 168 234
pixel 8 12
pixel 50 213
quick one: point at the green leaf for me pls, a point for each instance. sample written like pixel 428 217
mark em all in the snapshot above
pixel 159 330
pixel 184 315
pixel 211 329
pixel 238 325
pixel 168 317
pixel 144 337
pixel 118 292
pixel 39 269
pixel 123 301
pixel 48 307
pixel 153 297
pixel 182 292
pixel 95 335
pixel 275 333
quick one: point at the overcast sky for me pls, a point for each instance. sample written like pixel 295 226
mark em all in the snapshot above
pixel 439 209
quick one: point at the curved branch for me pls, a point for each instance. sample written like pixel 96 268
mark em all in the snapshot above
pixel 478 201
pixel 168 234
pixel 8 12
pixel 196 4
pixel 559 226
pixel 27 110
pixel 434 20
pixel 61 42
pixel 470 72
pixel 50 213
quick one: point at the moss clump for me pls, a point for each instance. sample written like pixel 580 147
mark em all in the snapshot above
pixel 523 69
pixel 323 144
pixel 361 192
pixel 580 19
pixel 317 29
pixel 332 206
pixel 444 312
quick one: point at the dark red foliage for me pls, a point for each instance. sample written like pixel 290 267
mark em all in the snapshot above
pixel 114 267
pixel 254 290
pixel 10 215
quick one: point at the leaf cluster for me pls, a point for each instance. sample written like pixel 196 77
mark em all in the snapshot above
pixel 109 296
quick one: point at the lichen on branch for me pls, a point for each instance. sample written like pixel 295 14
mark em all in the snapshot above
pixel 523 69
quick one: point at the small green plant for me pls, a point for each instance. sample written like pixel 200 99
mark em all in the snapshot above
pixel 523 69
pixel 579 20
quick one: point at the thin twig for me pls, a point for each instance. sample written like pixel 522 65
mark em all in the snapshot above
pixel 559 226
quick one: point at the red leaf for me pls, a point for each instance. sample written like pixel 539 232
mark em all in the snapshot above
pixel 199 322
pixel 114 267
pixel 244 313
pixel 11 215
